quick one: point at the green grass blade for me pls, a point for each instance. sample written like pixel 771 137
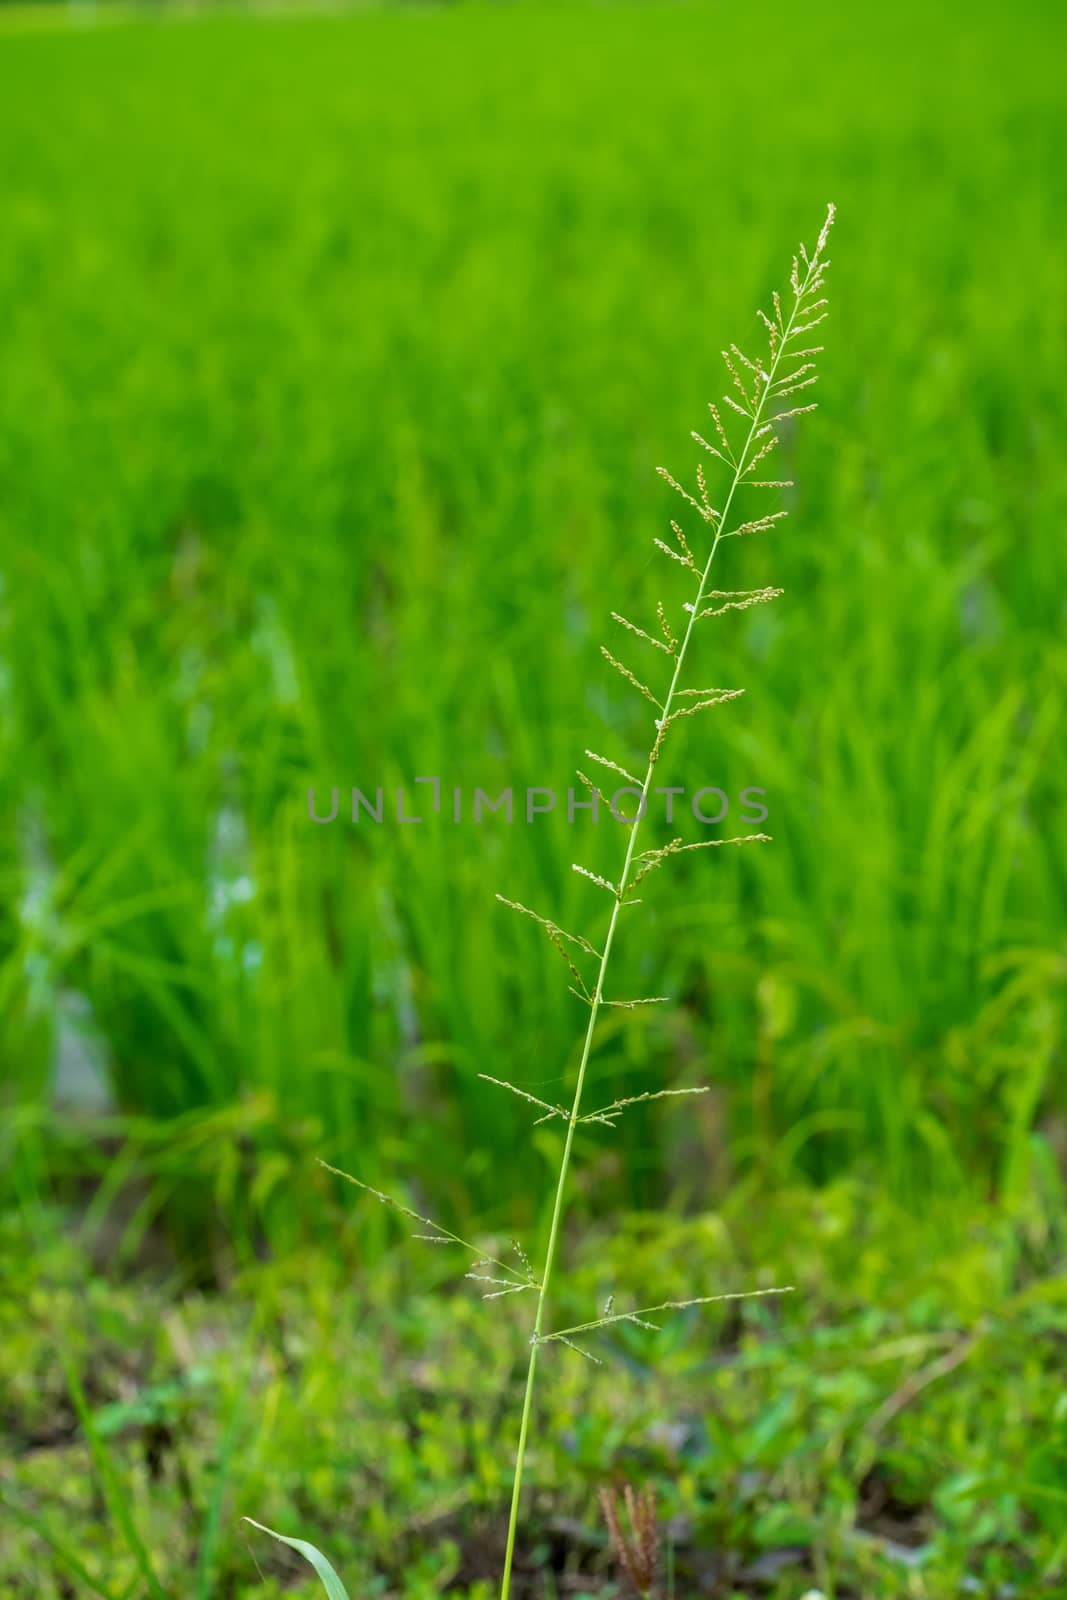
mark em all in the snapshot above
pixel 113 1490
pixel 63 1554
pixel 331 1582
pixel 209 1542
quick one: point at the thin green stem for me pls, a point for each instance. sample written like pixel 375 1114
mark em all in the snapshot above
pixel 620 892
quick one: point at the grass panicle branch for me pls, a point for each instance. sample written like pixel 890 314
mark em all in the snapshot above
pixel 440 1234
pixel 640 1316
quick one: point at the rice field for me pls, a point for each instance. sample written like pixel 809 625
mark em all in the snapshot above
pixel 339 351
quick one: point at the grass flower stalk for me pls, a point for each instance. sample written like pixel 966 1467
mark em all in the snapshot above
pixel 762 391
pixel 758 386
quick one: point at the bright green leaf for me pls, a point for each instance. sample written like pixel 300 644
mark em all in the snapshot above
pixel 331 1582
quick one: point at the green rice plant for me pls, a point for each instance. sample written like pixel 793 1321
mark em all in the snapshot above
pixel 163 663
pixel 763 392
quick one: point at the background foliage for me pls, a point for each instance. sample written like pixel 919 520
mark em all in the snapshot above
pixel 337 356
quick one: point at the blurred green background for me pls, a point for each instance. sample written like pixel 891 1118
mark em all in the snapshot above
pixel 337 354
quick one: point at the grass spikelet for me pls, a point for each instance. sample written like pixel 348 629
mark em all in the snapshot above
pixel 595 877
pixel 684 559
pixel 613 766
pixel 657 644
pixel 759 524
pixel 665 628
pixel 630 676
pixel 737 600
